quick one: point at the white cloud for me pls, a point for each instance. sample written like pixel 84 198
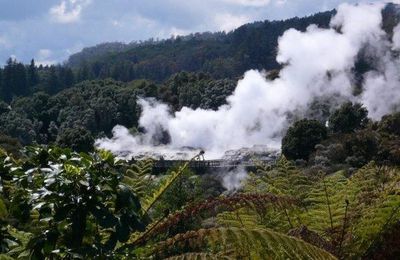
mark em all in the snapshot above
pixel 281 2
pixel 68 11
pixel 227 22
pixel 174 32
pixel 44 57
pixel 253 3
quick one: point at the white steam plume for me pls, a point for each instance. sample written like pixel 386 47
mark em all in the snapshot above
pixel 317 63
pixel 233 180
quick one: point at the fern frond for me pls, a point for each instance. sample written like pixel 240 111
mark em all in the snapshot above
pixel 282 179
pixel 200 256
pixel 326 204
pixel 213 207
pixel 244 244
pixel 138 177
pixel 149 201
pixel 378 205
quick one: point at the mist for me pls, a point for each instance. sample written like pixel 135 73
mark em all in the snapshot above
pixel 232 180
pixel 317 63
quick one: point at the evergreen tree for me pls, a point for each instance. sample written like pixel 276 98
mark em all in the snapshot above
pixel 33 76
pixel 20 78
pixel 8 79
pixel 52 81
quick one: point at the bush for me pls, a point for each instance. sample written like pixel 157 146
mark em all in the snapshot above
pixel 348 118
pixel 300 140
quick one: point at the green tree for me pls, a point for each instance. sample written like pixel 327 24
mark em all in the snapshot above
pixel 77 138
pixel 301 138
pixel 348 118
pixel 390 124
pixel 33 76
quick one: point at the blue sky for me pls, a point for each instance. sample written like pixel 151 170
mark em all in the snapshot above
pixel 51 30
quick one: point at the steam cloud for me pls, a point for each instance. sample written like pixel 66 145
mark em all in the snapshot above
pixel 232 180
pixel 318 63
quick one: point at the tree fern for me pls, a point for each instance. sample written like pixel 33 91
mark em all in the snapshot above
pixel 242 243
pixel 282 179
pixel 210 208
pixel 348 212
pixel 326 204
pixel 240 218
pixel 378 205
pixel 200 256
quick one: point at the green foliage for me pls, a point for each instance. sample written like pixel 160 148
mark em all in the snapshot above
pixel 3 210
pixel 185 190
pixel 390 124
pixel 11 145
pixel 196 90
pixel 348 118
pixel 149 201
pixel 76 201
pixel 251 46
pixel 71 118
pixel 301 138
pixel 63 204
pixel 245 244
pixel 139 177
pixel 349 213
pixel 78 139
pixel 283 180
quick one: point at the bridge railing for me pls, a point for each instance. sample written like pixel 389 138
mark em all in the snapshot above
pixel 207 163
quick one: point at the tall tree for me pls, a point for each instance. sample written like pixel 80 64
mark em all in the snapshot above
pixel 8 79
pixel 33 76
pixel 21 86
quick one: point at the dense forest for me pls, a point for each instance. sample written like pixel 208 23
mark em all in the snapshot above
pixel 222 55
pixel 333 193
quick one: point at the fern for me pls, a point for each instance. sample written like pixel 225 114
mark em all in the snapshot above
pixel 211 208
pixel 243 244
pixel 283 179
pixel 20 248
pixel 240 218
pixel 377 208
pixel 350 213
pixel 200 256
pixel 326 205
pixel 138 177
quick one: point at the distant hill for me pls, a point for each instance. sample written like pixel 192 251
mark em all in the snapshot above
pixel 222 55
pixel 251 46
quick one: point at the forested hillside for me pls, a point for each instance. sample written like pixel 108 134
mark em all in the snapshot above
pixel 251 46
pixel 222 55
